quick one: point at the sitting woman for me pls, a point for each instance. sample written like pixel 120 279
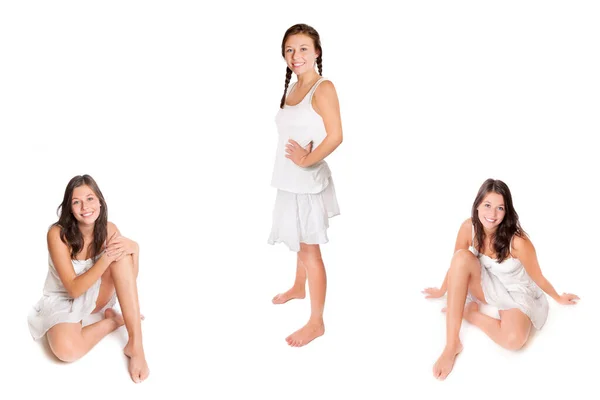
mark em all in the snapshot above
pixel 89 261
pixel 494 262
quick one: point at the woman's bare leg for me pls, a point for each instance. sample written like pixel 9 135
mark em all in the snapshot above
pixel 464 275
pixel 511 331
pixel 123 273
pixel 298 291
pixel 69 341
pixel 310 256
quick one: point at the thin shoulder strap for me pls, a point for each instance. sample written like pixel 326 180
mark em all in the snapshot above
pixel 510 245
pixel 287 93
pixel 472 235
pixel 314 88
pixel 290 88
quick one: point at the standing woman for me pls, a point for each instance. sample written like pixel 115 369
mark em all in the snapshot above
pixel 89 262
pixel 495 262
pixel 310 128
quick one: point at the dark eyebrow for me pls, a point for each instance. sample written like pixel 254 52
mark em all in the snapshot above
pixel 489 202
pixel 87 195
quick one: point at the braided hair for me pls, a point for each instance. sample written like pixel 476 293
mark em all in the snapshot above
pixel 314 35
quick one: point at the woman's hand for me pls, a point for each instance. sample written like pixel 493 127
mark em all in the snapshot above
pixel 567 299
pixel 119 247
pixel 433 293
pixel 297 153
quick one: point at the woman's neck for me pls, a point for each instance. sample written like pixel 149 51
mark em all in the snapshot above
pixel 87 231
pixel 488 233
pixel 308 78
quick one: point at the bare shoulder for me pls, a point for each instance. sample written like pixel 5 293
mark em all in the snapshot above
pixel 53 235
pixel 325 101
pixel 58 249
pixel 463 239
pixel 466 229
pixel 521 244
pixel 111 229
pixel 325 90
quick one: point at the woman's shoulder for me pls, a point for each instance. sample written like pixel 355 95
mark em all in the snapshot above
pixel 465 236
pixel 111 229
pixel 521 246
pixel 325 88
pixel 467 225
pixel 521 241
pixel 324 96
pixel 54 232
pixel 56 244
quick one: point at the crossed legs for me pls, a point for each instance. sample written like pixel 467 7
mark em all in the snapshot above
pixel 71 341
pixel 464 276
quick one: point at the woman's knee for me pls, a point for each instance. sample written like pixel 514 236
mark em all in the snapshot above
pixel 125 262
pixel 516 340
pixel 64 349
pixel 463 255
pixel 462 259
pixel 310 255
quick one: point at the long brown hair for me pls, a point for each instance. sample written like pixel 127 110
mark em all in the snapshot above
pixel 69 229
pixel 314 35
pixel 509 226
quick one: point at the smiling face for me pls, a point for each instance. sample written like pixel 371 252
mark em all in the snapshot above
pixel 85 205
pixel 300 53
pixel 491 211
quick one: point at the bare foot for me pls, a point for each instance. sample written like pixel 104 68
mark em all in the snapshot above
pixel 111 313
pixel 293 293
pixel 138 368
pixel 306 334
pixel 445 363
pixel 115 316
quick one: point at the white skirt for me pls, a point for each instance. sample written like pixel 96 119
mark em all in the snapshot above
pixel 531 300
pixel 303 218
pixel 57 308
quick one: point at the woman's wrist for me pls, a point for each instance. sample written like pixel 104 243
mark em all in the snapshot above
pixel 105 261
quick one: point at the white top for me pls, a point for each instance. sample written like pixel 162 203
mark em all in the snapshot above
pixel 510 272
pixel 54 285
pixel 56 306
pixel 302 124
pixel 507 285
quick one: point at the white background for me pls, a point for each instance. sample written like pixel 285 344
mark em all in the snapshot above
pixel 170 106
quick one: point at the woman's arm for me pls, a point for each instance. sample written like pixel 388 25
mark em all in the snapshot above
pixel 121 246
pixel 523 250
pixel 61 258
pixel 325 103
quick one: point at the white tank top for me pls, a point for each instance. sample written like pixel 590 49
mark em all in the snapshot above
pixel 510 272
pixel 54 285
pixel 302 124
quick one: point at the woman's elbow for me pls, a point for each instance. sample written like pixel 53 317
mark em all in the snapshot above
pixel 73 291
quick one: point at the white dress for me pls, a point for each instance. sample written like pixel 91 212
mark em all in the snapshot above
pixel 56 306
pixel 306 197
pixel 507 285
